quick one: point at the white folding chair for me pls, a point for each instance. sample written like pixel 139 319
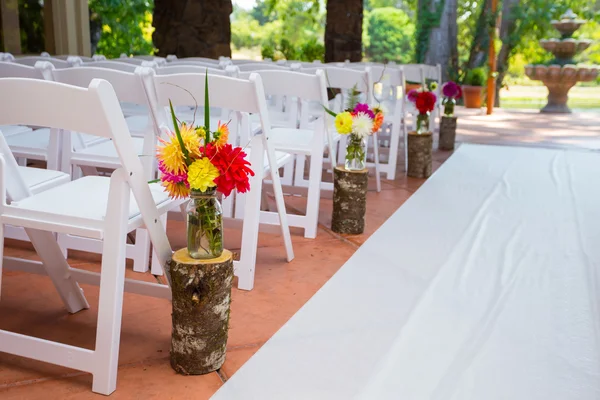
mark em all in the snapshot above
pixel 300 139
pixel 95 207
pixel 433 73
pixel 173 58
pixel 128 88
pixel 345 80
pixel 57 62
pixel 262 67
pixel 241 97
pixel 25 143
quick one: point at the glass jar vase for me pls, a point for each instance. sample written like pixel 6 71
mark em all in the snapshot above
pixel 356 157
pixel 204 225
pixel 449 104
pixel 423 123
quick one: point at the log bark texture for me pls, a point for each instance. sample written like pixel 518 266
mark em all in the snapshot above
pixel 447 133
pixel 192 28
pixel 201 299
pixel 349 201
pixel 343 30
pixel 419 154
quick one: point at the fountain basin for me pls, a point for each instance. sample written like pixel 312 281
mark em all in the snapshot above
pixel 565 49
pixel 567 27
pixel 559 80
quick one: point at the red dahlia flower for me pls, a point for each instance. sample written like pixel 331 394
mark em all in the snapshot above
pixel 233 167
pixel 425 102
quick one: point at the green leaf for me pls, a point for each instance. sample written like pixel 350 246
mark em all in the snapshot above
pixel 206 109
pixel 178 134
pixel 329 111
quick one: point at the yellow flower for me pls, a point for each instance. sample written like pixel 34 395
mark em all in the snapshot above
pixel 170 153
pixel 201 132
pixel 222 135
pixel 343 123
pixel 202 174
pixel 191 141
pixel 177 190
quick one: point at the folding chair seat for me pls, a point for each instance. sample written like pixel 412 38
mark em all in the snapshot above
pixel 8 130
pixel 93 207
pixel 103 154
pixel 238 98
pixel 40 179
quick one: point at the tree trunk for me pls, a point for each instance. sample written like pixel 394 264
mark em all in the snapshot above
pixel 481 41
pixel 442 46
pixel 192 28
pixel 507 28
pixel 343 30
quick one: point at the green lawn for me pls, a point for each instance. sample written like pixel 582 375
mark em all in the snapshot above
pixel 585 98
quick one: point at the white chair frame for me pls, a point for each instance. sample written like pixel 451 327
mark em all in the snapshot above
pixel 239 96
pixel 98 113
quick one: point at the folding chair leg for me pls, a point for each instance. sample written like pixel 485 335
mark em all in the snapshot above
pixel 57 268
pixel 393 157
pixel 250 203
pixel 376 155
pixel 157 268
pixel 142 250
pixel 314 194
pixel 112 282
pixel 278 192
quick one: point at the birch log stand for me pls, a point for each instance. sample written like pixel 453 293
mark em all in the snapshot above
pixel 419 154
pixel 201 299
pixel 447 133
pixel 349 200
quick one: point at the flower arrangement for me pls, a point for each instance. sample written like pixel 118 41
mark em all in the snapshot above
pixel 451 92
pixel 196 162
pixel 425 101
pixel 359 122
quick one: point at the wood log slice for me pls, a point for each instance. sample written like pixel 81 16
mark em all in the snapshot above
pixel 447 133
pixel 419 154
pixel 201 299
pixel 349 200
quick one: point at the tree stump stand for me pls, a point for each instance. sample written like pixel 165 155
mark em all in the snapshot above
pixel 201 299
pixel 419 154
pixel 349 200
pixel 447 133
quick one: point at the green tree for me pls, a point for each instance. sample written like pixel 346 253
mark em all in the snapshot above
pixel 390 35
pixel 126 26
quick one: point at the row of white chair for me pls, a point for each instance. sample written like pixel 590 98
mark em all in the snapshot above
pixel 101 208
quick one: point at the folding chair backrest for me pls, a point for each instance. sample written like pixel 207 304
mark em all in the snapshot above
pixel 127 85
pixel 242 62
pixel 288 83
pixel 67 56
pixel 193 62
pixel 227 93
pixel 58 63
pixel 116 65
pixel 197 59
pixel 413 72
pixel 347 79
pixel 175 68
pixel 14 70
pixel 262 67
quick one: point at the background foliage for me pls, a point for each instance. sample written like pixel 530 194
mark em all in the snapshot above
pixel 121 26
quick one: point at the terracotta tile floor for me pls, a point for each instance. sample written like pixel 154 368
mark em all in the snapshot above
pixel 31 306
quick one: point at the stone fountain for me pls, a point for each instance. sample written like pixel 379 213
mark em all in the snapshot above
pixel 562 73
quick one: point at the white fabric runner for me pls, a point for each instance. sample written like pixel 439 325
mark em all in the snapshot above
pixel 483 286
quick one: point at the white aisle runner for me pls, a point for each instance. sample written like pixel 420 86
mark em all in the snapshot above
pixel 482 286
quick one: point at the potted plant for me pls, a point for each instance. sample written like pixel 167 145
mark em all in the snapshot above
pixel 473 87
